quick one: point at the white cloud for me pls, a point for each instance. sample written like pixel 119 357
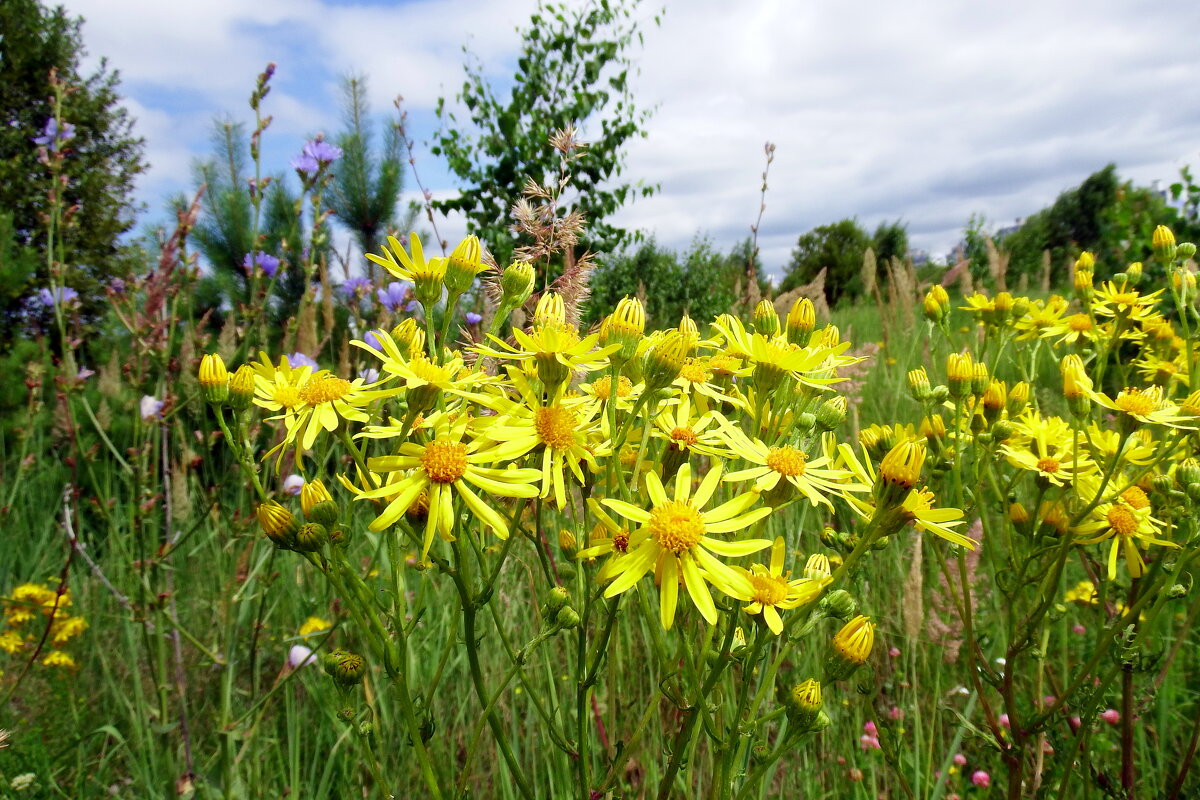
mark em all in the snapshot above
pixel 881 110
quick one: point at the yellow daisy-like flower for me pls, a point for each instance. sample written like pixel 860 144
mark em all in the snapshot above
pixel 1073 329
pixel 773 591
pixel 1110 300
pixel 66 629
pixel 326 400
pixel 696 382
pixel 814 478
pixel 685 432
pixel 557 349
pixel 1083 593
pixel 1046 446
pixel 1126 526
pixel 1040 316
pixel 277 387
pixel 444 467
pixel 919 509
pixel 1147 406
pixel 676 539
pixel 566 431
pixel 423 379
pixel 427 275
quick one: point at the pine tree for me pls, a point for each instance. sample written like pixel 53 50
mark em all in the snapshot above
pixel 100 165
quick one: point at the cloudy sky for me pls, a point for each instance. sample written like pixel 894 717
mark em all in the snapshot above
pixel 878 110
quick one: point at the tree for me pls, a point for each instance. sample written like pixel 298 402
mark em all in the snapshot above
pixel 101 159
pixel 890 241
pixel 366 184
pixel 838 247
pixel 573 71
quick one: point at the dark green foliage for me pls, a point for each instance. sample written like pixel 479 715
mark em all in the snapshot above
pixel 100 165
pixel 365 192
pixel 890 241
pixel 840 247
pixel 701 282
pixel 573 71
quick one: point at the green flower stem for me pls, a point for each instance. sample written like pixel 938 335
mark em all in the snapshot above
pixel 448 316
pixel 683 739
pixel 359 460
pixel 741 737
pixel 590 675
pixel 461 578
pixel 241 451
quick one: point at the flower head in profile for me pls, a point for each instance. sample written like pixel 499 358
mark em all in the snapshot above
pixel 315 155
pixel 676 539
pixel 268 263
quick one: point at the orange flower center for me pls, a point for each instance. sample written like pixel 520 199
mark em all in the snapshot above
pixel 1135 403
pixel 443 461
pixel 685 435
pixel 786 461
pixel 1135 498
pixel 693 372
pixel 1048 465
pixel 1122 521
pixel 287 396
pixel 724 364
pixel 325 389
pixel 770 590
pixel 621 542
pixel 1079 322
pixel 555 426
pixel 676 526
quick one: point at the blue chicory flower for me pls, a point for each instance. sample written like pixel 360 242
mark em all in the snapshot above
pixel 301 360
pixel 268 263
pixel 473 318
pixel 356 285
pixel 63 295
pixel 393 296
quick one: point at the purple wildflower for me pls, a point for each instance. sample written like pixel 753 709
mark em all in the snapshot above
pixel 369 375
pixel 63 295
pixel 117 286
pixel 151 407
pixel 268 263
pixel 473 318
pixel 355 286
pixel 52 137
pixel 301 360
pixel 371 340
pixel 292 484
pixel 393 296
pixel 315 154
pixel 412 307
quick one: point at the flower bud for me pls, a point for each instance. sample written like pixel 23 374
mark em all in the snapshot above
pixel 851 648
pixel 1018 398
pixel 550 310
pixel 1185 250
pixel 765 319
pixel 980 379
pixel 832 412
pixel 625 326
pixel 801 321
pixel 317 504
pixel 1188 472
pixel 839 603
pixel 214 379
pixel 464 264
pixel 410 338
pixel 933 427
pixel 918 384
pixel 960 371
pixel 664 361
pixel 1163 243
pixel 902 465
pixel 1002 430
pixel 347 669
pixel 241 388
pixel 994 400
pixel 556 598
pixel 936 304
pixel 278 524
pixel 567 543
pixel 804 704
pixel 566 618
pixel 1134 272
pixel 311 537
pixel 817 567
pixel 1017 514
pixel 516 284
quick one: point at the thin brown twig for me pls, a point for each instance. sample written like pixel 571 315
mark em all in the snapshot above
pixel 426 195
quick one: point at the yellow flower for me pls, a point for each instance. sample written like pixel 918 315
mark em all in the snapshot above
pixel 427 276
pixel 314 625
pixel 277 387
pixel 1046 446
pixel 1126 526
pixel 687 433
pixel 1072 329
pixel 424 381
pixel 773 591
pixel 1146 406
pixel 325 400
pixel 443 467
pixel 1124 302
pixel 1083 593
pixel 57 658
pixel 11 641
pixel 815 478
pixel 676 540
